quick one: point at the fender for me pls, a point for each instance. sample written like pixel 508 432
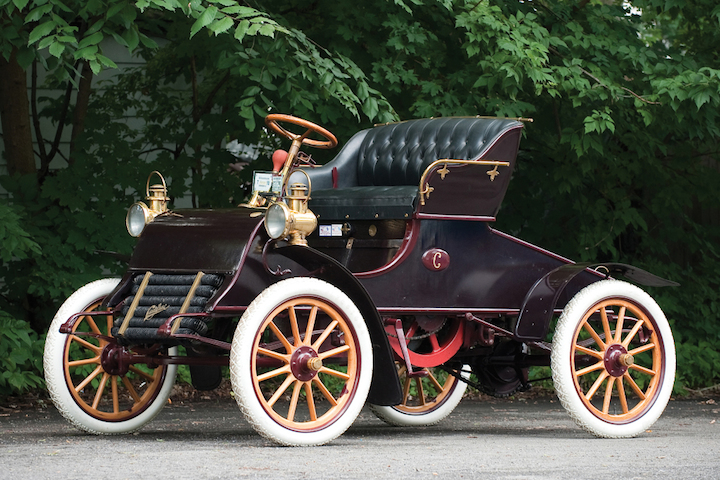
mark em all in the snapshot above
pixel 539 304
pixel 385 388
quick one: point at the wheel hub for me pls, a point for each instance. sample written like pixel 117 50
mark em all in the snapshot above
pixel 305 363
pixel 115 359
pixel 617 360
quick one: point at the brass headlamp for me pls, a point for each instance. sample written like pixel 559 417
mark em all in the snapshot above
pixel 293 219
pixel 140 214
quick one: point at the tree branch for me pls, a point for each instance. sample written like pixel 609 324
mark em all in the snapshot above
pixel 623 88
pixel 585 72
pixel 36 121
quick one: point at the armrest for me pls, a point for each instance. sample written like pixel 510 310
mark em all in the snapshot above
pixel 345 165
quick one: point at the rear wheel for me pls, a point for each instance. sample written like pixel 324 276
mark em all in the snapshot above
pixel 301 362
pixel 426 400
pixel 613 359
pixel 88 396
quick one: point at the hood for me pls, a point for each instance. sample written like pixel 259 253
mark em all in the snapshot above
pixel 196 240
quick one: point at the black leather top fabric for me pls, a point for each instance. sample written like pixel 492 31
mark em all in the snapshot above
pixel 398 154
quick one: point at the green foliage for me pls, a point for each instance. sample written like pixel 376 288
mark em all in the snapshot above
pixel 620 163
pixel 15 243
pixel 20 356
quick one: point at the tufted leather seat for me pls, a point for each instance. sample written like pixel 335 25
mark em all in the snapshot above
pixel 377 173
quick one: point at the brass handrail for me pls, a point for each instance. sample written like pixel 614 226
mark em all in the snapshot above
pixel 425 189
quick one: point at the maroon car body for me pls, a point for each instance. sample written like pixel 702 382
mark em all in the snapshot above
pixel 404 231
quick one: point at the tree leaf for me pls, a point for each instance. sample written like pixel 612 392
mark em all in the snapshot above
pixel 56 49
pixel 203 20
pixel 221 25
pixel 40 31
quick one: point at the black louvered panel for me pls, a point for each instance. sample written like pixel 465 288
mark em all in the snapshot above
pixel 162 298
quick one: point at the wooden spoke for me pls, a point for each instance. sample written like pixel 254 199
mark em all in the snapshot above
pixel 86 344
pixel 596 385
pixel 621 395
pixel 310 325
pixel 281 389
pixel 589 351
pixel 619 325
pixel 288 348
pixel 592 368
pixel 406 390
pixel 274 373
pixel 310 401
pixel 334 351
pixel 294 400
pixel 147 376
pixel 420 391
pixel 325 334
pixel 100 390
pixel 588 328
pixel 642 369
pixel 608 394
pixel 294 326
pixel 89 378
pixel 131 390
pixel 641 349
pixel 93 326
pixel 431 377
pixel 273 354
pixel 335 373
pixel 634 386
pixel 632 333
pixel 87 361
pixel 605 324
pixel 114 392
pixel 325 392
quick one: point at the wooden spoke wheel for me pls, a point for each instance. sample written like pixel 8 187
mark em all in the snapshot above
pixel 83 375
pixel 426 400
pixel 301 362
pixel 613 359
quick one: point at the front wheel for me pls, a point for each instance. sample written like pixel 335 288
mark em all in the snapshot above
pixel 301 362
pixel 613 359
pixel 89 397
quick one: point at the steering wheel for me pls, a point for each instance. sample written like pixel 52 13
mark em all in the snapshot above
pixel 273 123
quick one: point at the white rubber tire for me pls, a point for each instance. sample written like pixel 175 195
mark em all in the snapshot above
pixel 244 378
pixel 423 417
pixel 593 419
pixel 54 366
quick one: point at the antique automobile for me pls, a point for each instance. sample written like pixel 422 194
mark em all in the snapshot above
pixel 375 278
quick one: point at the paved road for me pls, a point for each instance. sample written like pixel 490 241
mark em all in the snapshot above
pixel 532 439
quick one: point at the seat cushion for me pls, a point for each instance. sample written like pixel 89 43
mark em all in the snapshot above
pixel 364 203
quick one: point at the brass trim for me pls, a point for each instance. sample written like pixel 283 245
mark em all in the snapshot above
pixel 186 303
pixel 443 171
pixel 425 193
pixel 426 189
pixel 135 303
pixel 493 173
